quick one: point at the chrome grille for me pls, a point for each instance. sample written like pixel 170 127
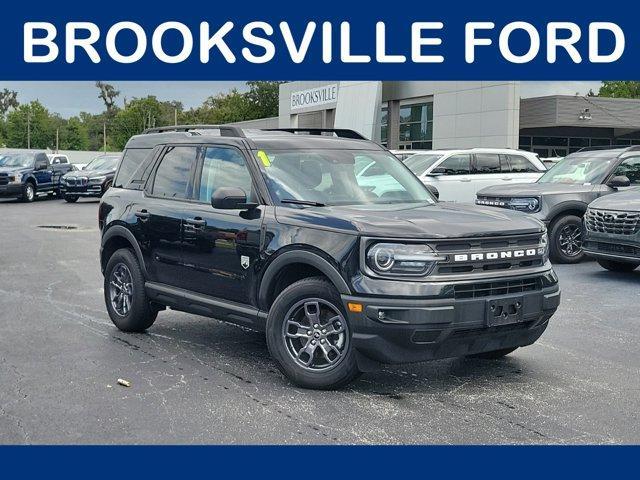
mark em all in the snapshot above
pixel 76 181
pixel 612 221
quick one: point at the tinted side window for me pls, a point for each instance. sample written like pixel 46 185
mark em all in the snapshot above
pixel 173 174
pixel 631 169
pixel 223 167
pixel 457 165
pixel 487 163
pixel 520 164
pixel 132 160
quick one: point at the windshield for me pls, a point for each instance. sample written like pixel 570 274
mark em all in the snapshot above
pixel 420 163
pixel 340 177
pixel 17 160
pixel 103 163
pixel 578 170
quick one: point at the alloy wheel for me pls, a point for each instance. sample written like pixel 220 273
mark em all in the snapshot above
pixel 30 193
pixel 315 333
pixel 121 289
pixel 570 240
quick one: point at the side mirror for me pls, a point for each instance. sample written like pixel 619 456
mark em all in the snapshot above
pixel 436 172
pixel 433 191
pixel 41 166
pixel 231 198
pixel 619 181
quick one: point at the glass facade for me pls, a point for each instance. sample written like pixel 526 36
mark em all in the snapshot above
pixel 415 124
pixel 547 146
pixel 384 122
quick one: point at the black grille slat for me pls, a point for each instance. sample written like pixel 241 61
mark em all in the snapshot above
pixel 490 289
pixel 612 222
pixel 4 179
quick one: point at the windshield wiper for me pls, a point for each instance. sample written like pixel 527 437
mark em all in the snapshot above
pixel 309 203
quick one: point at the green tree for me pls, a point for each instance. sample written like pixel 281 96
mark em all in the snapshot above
pixel 263 99
pixel 620 89
pixel 108 95
pixel 140 114
pixel 8 100
pixel 33 121
pixel 74 135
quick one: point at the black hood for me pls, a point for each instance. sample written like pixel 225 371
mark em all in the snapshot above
pixel 533 189
pixel 90 173
pixel 12 170
pixel 443 220
pixel 628 201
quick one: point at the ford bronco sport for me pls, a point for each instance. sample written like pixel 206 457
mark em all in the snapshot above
pixel 271 230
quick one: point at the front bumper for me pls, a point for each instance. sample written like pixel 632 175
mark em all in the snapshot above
pixel 82 191
pixel 11 190
pixel 624 248
pixel 405 330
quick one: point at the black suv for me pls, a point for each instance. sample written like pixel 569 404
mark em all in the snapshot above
pixel 272 230
pixel 92 181
pixel 560 197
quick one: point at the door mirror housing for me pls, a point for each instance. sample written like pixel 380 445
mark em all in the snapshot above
pixel 436 172
pixel 231 198
pixel 619 181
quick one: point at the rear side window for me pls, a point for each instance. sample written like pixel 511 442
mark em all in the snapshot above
pixel 520 164
pixel 457 165
pixel 172 179
pixel 487 163
pixel 131 161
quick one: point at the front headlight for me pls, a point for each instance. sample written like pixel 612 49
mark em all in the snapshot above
pixel 525 204
pixel 16 178
pixel 544 247
pixel 392 259
pixel 97 180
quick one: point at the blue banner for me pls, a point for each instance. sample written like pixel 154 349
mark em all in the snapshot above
pixel 288 40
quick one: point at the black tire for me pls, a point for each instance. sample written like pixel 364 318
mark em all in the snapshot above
pixel 614 266
pixel 308 292
pixel 495 354
pixel 140 314
pixel 28 192
pixel 563 229
pixel 71 198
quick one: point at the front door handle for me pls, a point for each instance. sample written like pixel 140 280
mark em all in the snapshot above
pixel 196 222
pixel 142 214
pixel 465 179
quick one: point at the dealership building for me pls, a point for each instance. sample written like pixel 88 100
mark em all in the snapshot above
pixel 435 115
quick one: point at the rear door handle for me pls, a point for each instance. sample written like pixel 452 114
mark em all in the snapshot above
pixel 507 179
pixel 196 222
pixel 142 214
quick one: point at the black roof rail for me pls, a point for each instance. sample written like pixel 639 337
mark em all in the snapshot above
pixel 339 132
pixel 225 130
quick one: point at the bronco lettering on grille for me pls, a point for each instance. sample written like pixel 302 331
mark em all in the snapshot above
pixel 500 255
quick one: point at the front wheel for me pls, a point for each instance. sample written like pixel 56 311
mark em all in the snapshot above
pixel 308 335
pixel 124 294
pixel 29 193
pixel 614 266
pixel 565 240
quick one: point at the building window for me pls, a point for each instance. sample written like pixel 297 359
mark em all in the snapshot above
pixel 416 126
pixel 384 122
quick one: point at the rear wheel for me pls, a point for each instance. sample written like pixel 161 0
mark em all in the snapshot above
pixel 71 198
pixel 566 240
pixel 124 294
pixel 29 192
pixel 308 335
pixel 495 354
pixel 614 266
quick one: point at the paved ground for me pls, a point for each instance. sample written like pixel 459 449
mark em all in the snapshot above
pixel 197 380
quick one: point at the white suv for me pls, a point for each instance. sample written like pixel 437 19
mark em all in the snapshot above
pixel 459 174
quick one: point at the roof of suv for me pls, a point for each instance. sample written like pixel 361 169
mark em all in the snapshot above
pixel 263 139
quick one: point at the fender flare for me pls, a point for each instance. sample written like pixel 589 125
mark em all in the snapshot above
pixel 122 232
pixel 563 207
pixel 305 257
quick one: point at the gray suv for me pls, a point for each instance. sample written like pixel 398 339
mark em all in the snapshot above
pixel 612 231
pixel 561 196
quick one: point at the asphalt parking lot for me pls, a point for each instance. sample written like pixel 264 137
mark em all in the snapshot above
pixel 196 380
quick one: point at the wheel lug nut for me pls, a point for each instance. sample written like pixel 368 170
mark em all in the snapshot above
pixel 322 341
pixel 313 342
pixel 309 332
pixel 316 325
pixel 324 330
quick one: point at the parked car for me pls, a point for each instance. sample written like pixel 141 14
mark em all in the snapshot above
pixel 25 175
pixel 561 196
pixel 274 232
pixel 612 231
pixel 57 158
pixel 92 181
pixel 459 174
pixel 404 154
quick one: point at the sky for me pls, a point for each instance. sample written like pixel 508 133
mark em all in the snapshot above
pixel 71 98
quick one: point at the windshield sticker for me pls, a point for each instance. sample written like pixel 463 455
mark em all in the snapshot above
pixel 264 158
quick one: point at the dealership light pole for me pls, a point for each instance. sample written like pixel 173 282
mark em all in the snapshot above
pixel 104 136
pixel 57 140
pixel 29 127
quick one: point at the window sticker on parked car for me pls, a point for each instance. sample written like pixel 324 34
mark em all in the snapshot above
pixel 264 158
